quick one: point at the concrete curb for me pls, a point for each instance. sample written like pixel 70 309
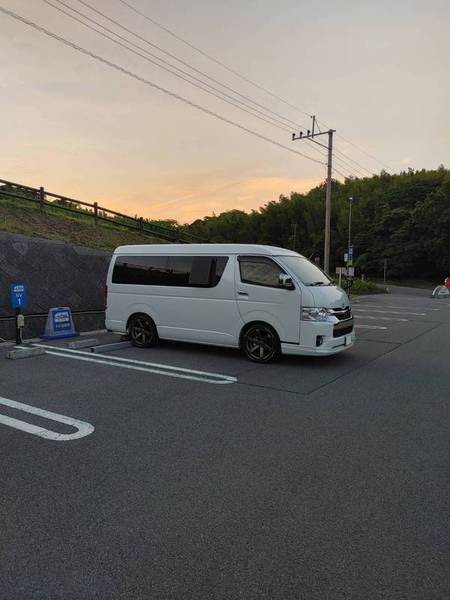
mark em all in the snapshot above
pixel 19 353
pixel 79 344
pixel 111 347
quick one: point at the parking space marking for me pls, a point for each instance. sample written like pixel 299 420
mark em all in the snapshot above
pixel 370 327
pixel 391 312
pixel 368 305
pixel 381 318
pixel 83 428
pixel 138 365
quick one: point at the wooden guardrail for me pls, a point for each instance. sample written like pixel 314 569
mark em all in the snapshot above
pixel 99 213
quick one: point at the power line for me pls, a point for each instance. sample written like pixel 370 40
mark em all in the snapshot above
pixel 115 22
pixel 186 64
pixel 252 110
pixel 243 77
pixel 321 149
pixel 344 158
pixel 340 172
pixel 351 169
pixel 210 57
pixel 137 77
pixel 344 164
pixel 366 153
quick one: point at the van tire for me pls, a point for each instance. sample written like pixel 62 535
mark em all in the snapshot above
pixel 142 331
pixel 260 343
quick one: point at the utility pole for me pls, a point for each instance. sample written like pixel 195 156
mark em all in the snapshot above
pixel 326 258
pixel 310 135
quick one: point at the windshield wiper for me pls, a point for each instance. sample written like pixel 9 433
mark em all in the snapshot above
pixel 318 283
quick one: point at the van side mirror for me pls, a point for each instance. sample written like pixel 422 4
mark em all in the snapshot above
pixel 286 282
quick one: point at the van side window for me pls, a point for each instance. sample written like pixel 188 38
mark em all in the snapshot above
pixel 140 270
pixel 179 270
pixel 259 270
pixel 176 271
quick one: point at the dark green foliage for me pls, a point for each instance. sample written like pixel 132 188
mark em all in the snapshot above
pixel 363 286
pixel 404 218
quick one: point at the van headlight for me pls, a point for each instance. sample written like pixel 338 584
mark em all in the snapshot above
pixel 317 314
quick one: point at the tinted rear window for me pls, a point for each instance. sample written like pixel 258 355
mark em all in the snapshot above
pixel 181 271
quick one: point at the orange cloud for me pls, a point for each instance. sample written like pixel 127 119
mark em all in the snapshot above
pixel 187 199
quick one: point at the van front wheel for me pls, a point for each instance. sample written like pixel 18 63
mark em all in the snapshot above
pixel 261 343
pixel 142 331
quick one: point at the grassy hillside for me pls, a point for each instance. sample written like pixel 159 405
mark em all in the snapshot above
pixel 27 219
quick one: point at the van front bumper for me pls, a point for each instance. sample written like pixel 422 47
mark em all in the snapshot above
pixel 322 338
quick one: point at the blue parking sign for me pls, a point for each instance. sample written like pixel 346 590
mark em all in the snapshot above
pixel 18 295
pixel 350 256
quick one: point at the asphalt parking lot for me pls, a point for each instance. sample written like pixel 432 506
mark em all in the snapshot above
pixel 184 472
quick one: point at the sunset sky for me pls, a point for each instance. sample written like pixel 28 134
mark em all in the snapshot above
pixel 377 72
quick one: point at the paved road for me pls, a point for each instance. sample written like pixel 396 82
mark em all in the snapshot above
pixel 311 479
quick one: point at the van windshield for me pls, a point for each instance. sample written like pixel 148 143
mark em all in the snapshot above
pixel 305 270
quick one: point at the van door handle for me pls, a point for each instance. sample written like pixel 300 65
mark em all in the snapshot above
pixel 242 293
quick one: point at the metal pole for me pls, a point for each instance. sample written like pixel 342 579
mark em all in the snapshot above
pixel 350 223
pixel 384 271
pixel 18 331
pixel 326 253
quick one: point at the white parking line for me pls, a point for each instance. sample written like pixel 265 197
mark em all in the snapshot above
pixel 370 327
pixel 368 305
pixel 381 318
pixel 139 365
pixel 82 427
pixel 391 312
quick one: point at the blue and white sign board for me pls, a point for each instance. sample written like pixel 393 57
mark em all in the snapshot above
pixel 350 256
pixel 59 324
pixel 18 295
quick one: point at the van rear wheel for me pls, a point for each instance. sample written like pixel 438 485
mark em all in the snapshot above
pixel 142 331
pixel 261 343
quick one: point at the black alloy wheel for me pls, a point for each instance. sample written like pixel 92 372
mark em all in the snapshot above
pixel 142 331
pixel 261 343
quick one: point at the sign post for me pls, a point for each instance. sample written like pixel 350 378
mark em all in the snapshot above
pixel 18 302
pixel 341 271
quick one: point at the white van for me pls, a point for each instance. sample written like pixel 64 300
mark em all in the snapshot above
pixel 263 299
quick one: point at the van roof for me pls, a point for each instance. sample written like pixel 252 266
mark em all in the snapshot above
pixel 204 249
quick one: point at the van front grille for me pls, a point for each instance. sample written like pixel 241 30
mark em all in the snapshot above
pixel 342 313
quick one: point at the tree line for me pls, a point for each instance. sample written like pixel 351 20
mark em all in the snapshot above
pixel 403 218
